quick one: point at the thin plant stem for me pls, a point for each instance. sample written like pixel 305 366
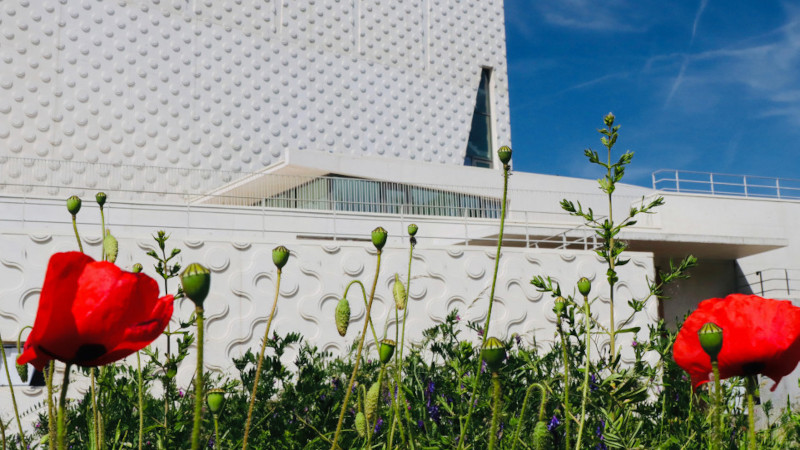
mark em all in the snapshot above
pixel 216 432
pixel 102 234
pixel 95 418
pixel 402 343
pixel 567 408
pixel 349 391
pixel 364 294
pixel 261 361
pixel 585 393
pixel 62 401
pixel 751 417
pixel 717 407
pixel 198 381
pixel 141 397
pixel 51 409
pixel 497 393
pixel 3 434
pixel 77 236
pixel 472 397
pixel 13 398
pixel 520 421
pixel 612 326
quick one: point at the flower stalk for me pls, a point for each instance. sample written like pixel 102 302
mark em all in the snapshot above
pixel 13 398
pixel 62 401
pixel 751 383
pixel 585 393
pixel 198 380
pixel 497 393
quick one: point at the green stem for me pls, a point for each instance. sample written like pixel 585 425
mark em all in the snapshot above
pixel 751 382
pixel 611 265
pixel 473 397
pixel 198 381
pixel 62 401
pixel 216 432
pixel 51 409
pixel 358 357
pixel 567 407
pixel 364 295
pixel 261 361
pixel 77 236
pixel 497 393
pixel 585 394
pixel 13 398
pixel 95 419
pixel 520 421
pixel 3 434
pixel 141 394
pixel 717 407
pixel 103 235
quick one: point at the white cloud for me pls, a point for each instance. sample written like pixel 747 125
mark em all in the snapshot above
pixel 589 15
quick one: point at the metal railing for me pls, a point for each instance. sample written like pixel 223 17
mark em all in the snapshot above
pixel 773 282
pixel 726 184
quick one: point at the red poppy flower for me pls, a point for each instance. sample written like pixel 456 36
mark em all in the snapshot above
pixel 92 313
pixel 759 336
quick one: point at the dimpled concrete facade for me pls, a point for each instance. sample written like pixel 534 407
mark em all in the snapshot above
pixel 235 85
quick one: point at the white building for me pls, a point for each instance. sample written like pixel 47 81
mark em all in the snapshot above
pixel 239 126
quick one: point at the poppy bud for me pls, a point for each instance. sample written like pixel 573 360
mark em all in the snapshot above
pixel 361 424
pixel 504 154
pixel 584 286
pixel 493 353
pixel 710 339
pixel 101 198
pixel 22 371
pixel 215 400
pixel 371 403
pixel 386 350
pixel 110 247
pixel 137 268
pixel 196 280
pixel 542 439
pixel 399 291
pixel 559 306
pixel 342 316
pixel 379 236
pixel 412 229
pixel 74 205
pixel 280 255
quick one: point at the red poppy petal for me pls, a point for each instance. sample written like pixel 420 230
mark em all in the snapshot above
pixel 139 335
pixel 101 302
pixel 54 325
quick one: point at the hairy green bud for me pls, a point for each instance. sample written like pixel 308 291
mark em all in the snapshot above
pixel 110 247
pixel 399 292
pixel 342 316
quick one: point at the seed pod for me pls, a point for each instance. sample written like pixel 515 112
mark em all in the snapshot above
pixel 412 229
pixel 584 286
pixel 110 247
pixel 379 236
pixel 342 316
pixel 542 439
pixel 504 154
pixel 493 353
pixel 386 350
pixel 101 198
pixel 137 268
pixel 559 306
pixel 22 371
pixel 280 255
pixel 215 400
pixel 710 335
pixel 399 291
pixel 361 424
pixel 371 403
pixel 74 205
pixel 196 281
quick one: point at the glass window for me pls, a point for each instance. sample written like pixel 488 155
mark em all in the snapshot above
pixel 479 144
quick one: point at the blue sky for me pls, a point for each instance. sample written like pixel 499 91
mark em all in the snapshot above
pixel 704 85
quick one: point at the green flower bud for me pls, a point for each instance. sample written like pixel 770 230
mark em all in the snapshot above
pixel 379 236
pixel 608 120
pixel 101 198
pixel 504 154
pixel 22 371
pixel 412 229
pixel 371 403
pixel 342 316
pixel 710 336
pixel 387 350
pixel 559 306
pixel 110 247
pixel 399 292
pixel 361 424
pixel 196 281
pixel 542 439
pixel 74 205
pixel 280 255
pixel 584 286
pixel 493 353
pixel 137 268
pixel 215 399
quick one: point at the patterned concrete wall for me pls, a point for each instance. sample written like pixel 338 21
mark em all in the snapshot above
pixel 236 85
pixel 243 280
